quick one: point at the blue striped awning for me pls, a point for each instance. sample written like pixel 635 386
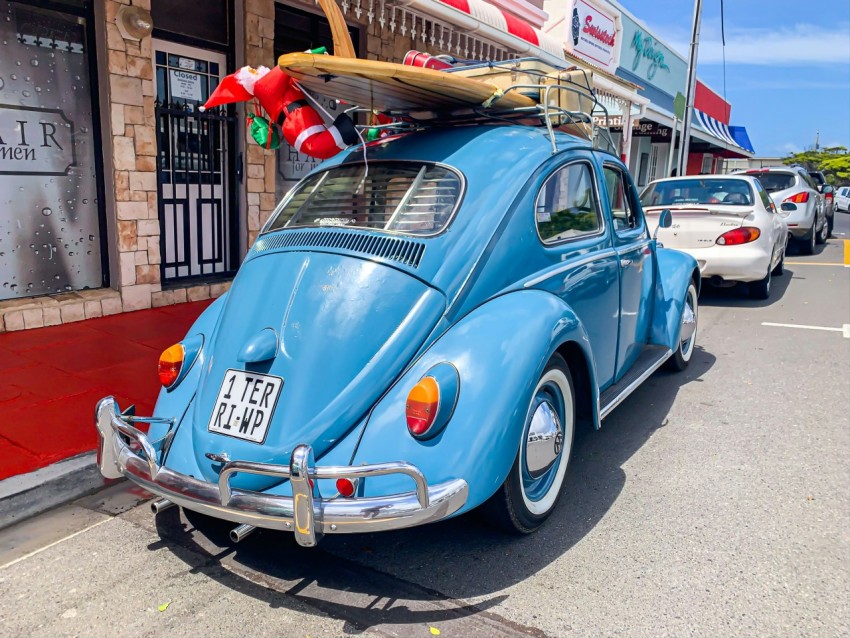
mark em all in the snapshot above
pixel 716 128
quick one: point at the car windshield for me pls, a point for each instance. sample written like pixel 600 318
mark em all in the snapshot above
pixel 774 181
pixel 414 198
pixel 686 192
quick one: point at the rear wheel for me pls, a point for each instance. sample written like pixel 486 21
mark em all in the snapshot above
pixel 807 246
pixel 687 333
pixel 780 266
pixel 831 221
pixel 532 489
pixel 823 234
pixel 761 289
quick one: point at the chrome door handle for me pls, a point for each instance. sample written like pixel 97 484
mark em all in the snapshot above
pixel 624 263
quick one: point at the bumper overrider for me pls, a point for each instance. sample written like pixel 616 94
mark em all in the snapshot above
pixel 125 451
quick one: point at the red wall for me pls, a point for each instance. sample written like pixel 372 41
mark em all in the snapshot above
pixel 694 164
pixel 711 104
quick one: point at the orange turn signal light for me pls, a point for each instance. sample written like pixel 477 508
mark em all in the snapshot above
pixel 422 404
pixel 170 363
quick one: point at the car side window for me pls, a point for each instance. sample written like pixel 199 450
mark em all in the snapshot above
pixel 566 205
pixel 623 208
pixel 765 198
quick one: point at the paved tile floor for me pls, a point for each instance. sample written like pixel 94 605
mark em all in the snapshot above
pixel 51 379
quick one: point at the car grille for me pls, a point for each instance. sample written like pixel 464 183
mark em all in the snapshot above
pixel 404 251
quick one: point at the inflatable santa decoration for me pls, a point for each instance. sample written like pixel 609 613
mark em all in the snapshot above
pixel 287 106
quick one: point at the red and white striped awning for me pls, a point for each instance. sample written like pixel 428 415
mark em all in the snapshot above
pixel 488 15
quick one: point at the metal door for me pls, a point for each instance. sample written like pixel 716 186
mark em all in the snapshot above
pixel 197 206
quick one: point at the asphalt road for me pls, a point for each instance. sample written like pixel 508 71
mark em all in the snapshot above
pixel 712 503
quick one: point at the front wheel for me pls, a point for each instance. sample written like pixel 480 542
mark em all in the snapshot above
pixel 687 333
pixel 532 489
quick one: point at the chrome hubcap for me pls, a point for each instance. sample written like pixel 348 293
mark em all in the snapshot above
pixel 545 440
pixel 545 447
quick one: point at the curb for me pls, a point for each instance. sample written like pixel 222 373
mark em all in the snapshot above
pixel 28 495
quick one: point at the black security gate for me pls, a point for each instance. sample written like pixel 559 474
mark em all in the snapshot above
pixel 197 207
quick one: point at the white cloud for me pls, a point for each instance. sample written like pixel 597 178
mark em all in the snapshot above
pixel 796 45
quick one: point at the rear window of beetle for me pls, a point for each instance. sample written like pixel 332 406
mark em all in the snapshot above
pixel 686 192
pixel 413 198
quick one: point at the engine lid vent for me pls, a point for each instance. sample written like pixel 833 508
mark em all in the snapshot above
pixel 404 251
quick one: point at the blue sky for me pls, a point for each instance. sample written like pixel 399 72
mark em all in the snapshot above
pixel 787 64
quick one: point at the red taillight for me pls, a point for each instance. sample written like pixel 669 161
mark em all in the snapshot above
pixel 422 404
pixel 170 363
pixel 799 198
pixel 743 235
pixel 346 487
pixel 828 195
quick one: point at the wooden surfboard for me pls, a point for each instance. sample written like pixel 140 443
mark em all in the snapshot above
pixel 387 86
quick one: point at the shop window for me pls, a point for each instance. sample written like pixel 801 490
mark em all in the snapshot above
pixel 50 236
pixel 209 24
pixel 707 160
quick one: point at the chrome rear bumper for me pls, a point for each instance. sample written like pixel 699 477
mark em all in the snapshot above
pixel 124 450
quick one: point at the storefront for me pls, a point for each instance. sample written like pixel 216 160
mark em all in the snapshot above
pixel 120 194
pixel 51 221
pixel 661 73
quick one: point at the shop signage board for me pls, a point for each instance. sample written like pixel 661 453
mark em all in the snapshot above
pixel 35 141
pixel 589 29
pixel 650 59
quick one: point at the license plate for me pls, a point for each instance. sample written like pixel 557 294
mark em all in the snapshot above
pixel 245 404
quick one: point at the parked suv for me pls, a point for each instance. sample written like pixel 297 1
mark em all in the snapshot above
pixel 828 193
pixel 799 201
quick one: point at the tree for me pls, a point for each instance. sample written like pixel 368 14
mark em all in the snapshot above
pixel 833 161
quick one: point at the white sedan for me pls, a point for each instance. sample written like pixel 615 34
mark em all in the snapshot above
pixel 728 223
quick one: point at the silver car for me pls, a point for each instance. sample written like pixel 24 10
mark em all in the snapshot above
pixel 799 201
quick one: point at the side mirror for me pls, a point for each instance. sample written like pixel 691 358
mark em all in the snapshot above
pixel 665 220
pixel 788 207
pixel 827 189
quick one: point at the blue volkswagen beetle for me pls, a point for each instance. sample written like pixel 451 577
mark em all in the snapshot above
pixel 414 334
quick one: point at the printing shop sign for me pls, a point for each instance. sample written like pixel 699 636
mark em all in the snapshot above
pixel 35 141
pixel 594 33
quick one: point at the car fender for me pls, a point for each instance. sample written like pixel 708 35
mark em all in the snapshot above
pixel 499 350
pixel 173 403
pixel 676 270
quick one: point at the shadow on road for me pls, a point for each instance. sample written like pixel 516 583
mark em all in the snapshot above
pixel 348 576
pixel 739 296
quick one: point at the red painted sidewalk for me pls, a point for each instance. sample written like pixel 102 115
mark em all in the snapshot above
pixel 51 379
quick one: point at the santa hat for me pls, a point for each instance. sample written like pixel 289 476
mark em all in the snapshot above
pixel 236 87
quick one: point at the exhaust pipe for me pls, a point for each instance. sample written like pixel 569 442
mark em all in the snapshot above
pixel 160 505
pixel 239 533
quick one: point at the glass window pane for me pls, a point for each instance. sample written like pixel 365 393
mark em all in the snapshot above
pixel 407 197
pixel 566 206
pixel 617 199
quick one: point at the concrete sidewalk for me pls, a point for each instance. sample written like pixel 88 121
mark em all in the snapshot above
pixel 51 379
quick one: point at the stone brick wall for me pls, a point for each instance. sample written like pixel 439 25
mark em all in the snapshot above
pixel 260 163
pixel 131 93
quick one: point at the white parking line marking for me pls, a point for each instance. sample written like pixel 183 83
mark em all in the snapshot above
pixel 53 544
pixel 845 329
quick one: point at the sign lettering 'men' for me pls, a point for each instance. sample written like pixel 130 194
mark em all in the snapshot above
pixel 644 48
pixel 35 141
